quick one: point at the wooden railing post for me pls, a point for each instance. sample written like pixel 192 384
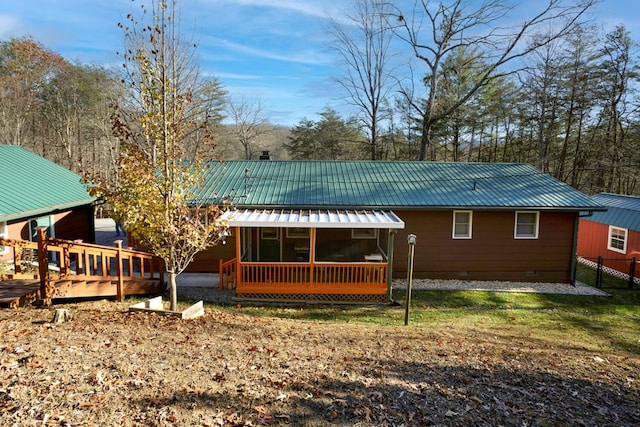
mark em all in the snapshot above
pixel 312 256
pixel 86 262
pixel 17 258
pixel 65 265
pixel 120 283
pixel 80 259
pixel 221 273
pixel 43 265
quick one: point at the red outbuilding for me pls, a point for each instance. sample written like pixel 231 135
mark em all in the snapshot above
pixel 613 235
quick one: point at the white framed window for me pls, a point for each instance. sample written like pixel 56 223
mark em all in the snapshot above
pixel 617 241
pixel 4 234
pixel 462 222
pixel 527 225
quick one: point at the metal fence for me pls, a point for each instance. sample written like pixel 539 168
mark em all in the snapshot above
pixel 611 272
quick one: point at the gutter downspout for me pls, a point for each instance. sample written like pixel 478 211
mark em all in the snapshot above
pixel 392 234
pixel 574 247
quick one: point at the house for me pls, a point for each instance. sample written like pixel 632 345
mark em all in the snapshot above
pixel 613 235
pixel 335 230
pixel 37 192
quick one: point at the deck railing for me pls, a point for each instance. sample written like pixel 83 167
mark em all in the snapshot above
pixel 24 255
pixel 228 274
pixel 318 278
pixel 54 261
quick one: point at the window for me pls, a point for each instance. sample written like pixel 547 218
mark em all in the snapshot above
pixel 462 224
pixel 270 233
pixel 43 221
pixel 363 233
pixel 527 224
pixel 298 233
pixel 4 234
pixel 617 239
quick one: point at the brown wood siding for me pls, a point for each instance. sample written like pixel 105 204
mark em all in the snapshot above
pixel 70 225
pixel 76 224
pixel 492 253
pixel 208 260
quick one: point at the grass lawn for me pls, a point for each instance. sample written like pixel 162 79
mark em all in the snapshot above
pixel 587 321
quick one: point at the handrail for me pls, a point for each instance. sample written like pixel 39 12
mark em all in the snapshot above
pixel 17 254
pixel 228 269
pixel 60 259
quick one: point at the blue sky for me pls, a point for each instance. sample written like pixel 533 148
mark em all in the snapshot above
pixel 271 50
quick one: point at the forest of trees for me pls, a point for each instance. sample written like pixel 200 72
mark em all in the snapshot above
pixel 570 107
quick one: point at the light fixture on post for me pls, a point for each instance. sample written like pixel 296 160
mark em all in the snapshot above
pixel 411 240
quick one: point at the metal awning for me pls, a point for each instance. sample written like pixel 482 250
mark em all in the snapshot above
pixel 312 218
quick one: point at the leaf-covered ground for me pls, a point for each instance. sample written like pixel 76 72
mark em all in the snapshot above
pixel 111 367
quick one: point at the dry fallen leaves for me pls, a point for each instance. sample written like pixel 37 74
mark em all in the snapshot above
pixel 111 367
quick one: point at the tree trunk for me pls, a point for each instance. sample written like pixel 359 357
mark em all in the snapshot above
pixel 173 291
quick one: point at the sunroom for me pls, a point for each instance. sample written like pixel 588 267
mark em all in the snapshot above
pixel 313 254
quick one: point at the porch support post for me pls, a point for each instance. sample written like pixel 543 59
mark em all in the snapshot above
pixel 392 235
pixel 43 266
pixel 238 259
pixel 220 275
pixel 119 271
pixel 312 254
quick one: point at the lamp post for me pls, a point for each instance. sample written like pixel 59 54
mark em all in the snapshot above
pixel 411 240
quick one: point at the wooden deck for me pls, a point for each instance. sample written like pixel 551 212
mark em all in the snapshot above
pixel 71 269
pixel 18 292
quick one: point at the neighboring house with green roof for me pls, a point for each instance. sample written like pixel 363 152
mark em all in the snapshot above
pixel 335 228
pixel 614 233
pixel 37 192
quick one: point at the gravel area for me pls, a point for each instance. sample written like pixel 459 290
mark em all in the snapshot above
pixel 497 286
pixel 209 294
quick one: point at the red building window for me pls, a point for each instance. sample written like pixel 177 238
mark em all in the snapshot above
pixel 617 239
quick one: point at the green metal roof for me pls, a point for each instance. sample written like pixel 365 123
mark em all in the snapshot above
pixel 31 185
pixel 388 185
pixel 622 211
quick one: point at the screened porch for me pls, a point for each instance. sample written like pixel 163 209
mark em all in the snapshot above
pixel 313 254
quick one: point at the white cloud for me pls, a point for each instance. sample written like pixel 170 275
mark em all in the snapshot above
pixel 310 57
pixel 238 76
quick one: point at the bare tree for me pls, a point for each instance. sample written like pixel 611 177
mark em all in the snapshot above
pixel 436 30
pixel 619 71
pixel 156 194
pixel 248 123
pixel 365 56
